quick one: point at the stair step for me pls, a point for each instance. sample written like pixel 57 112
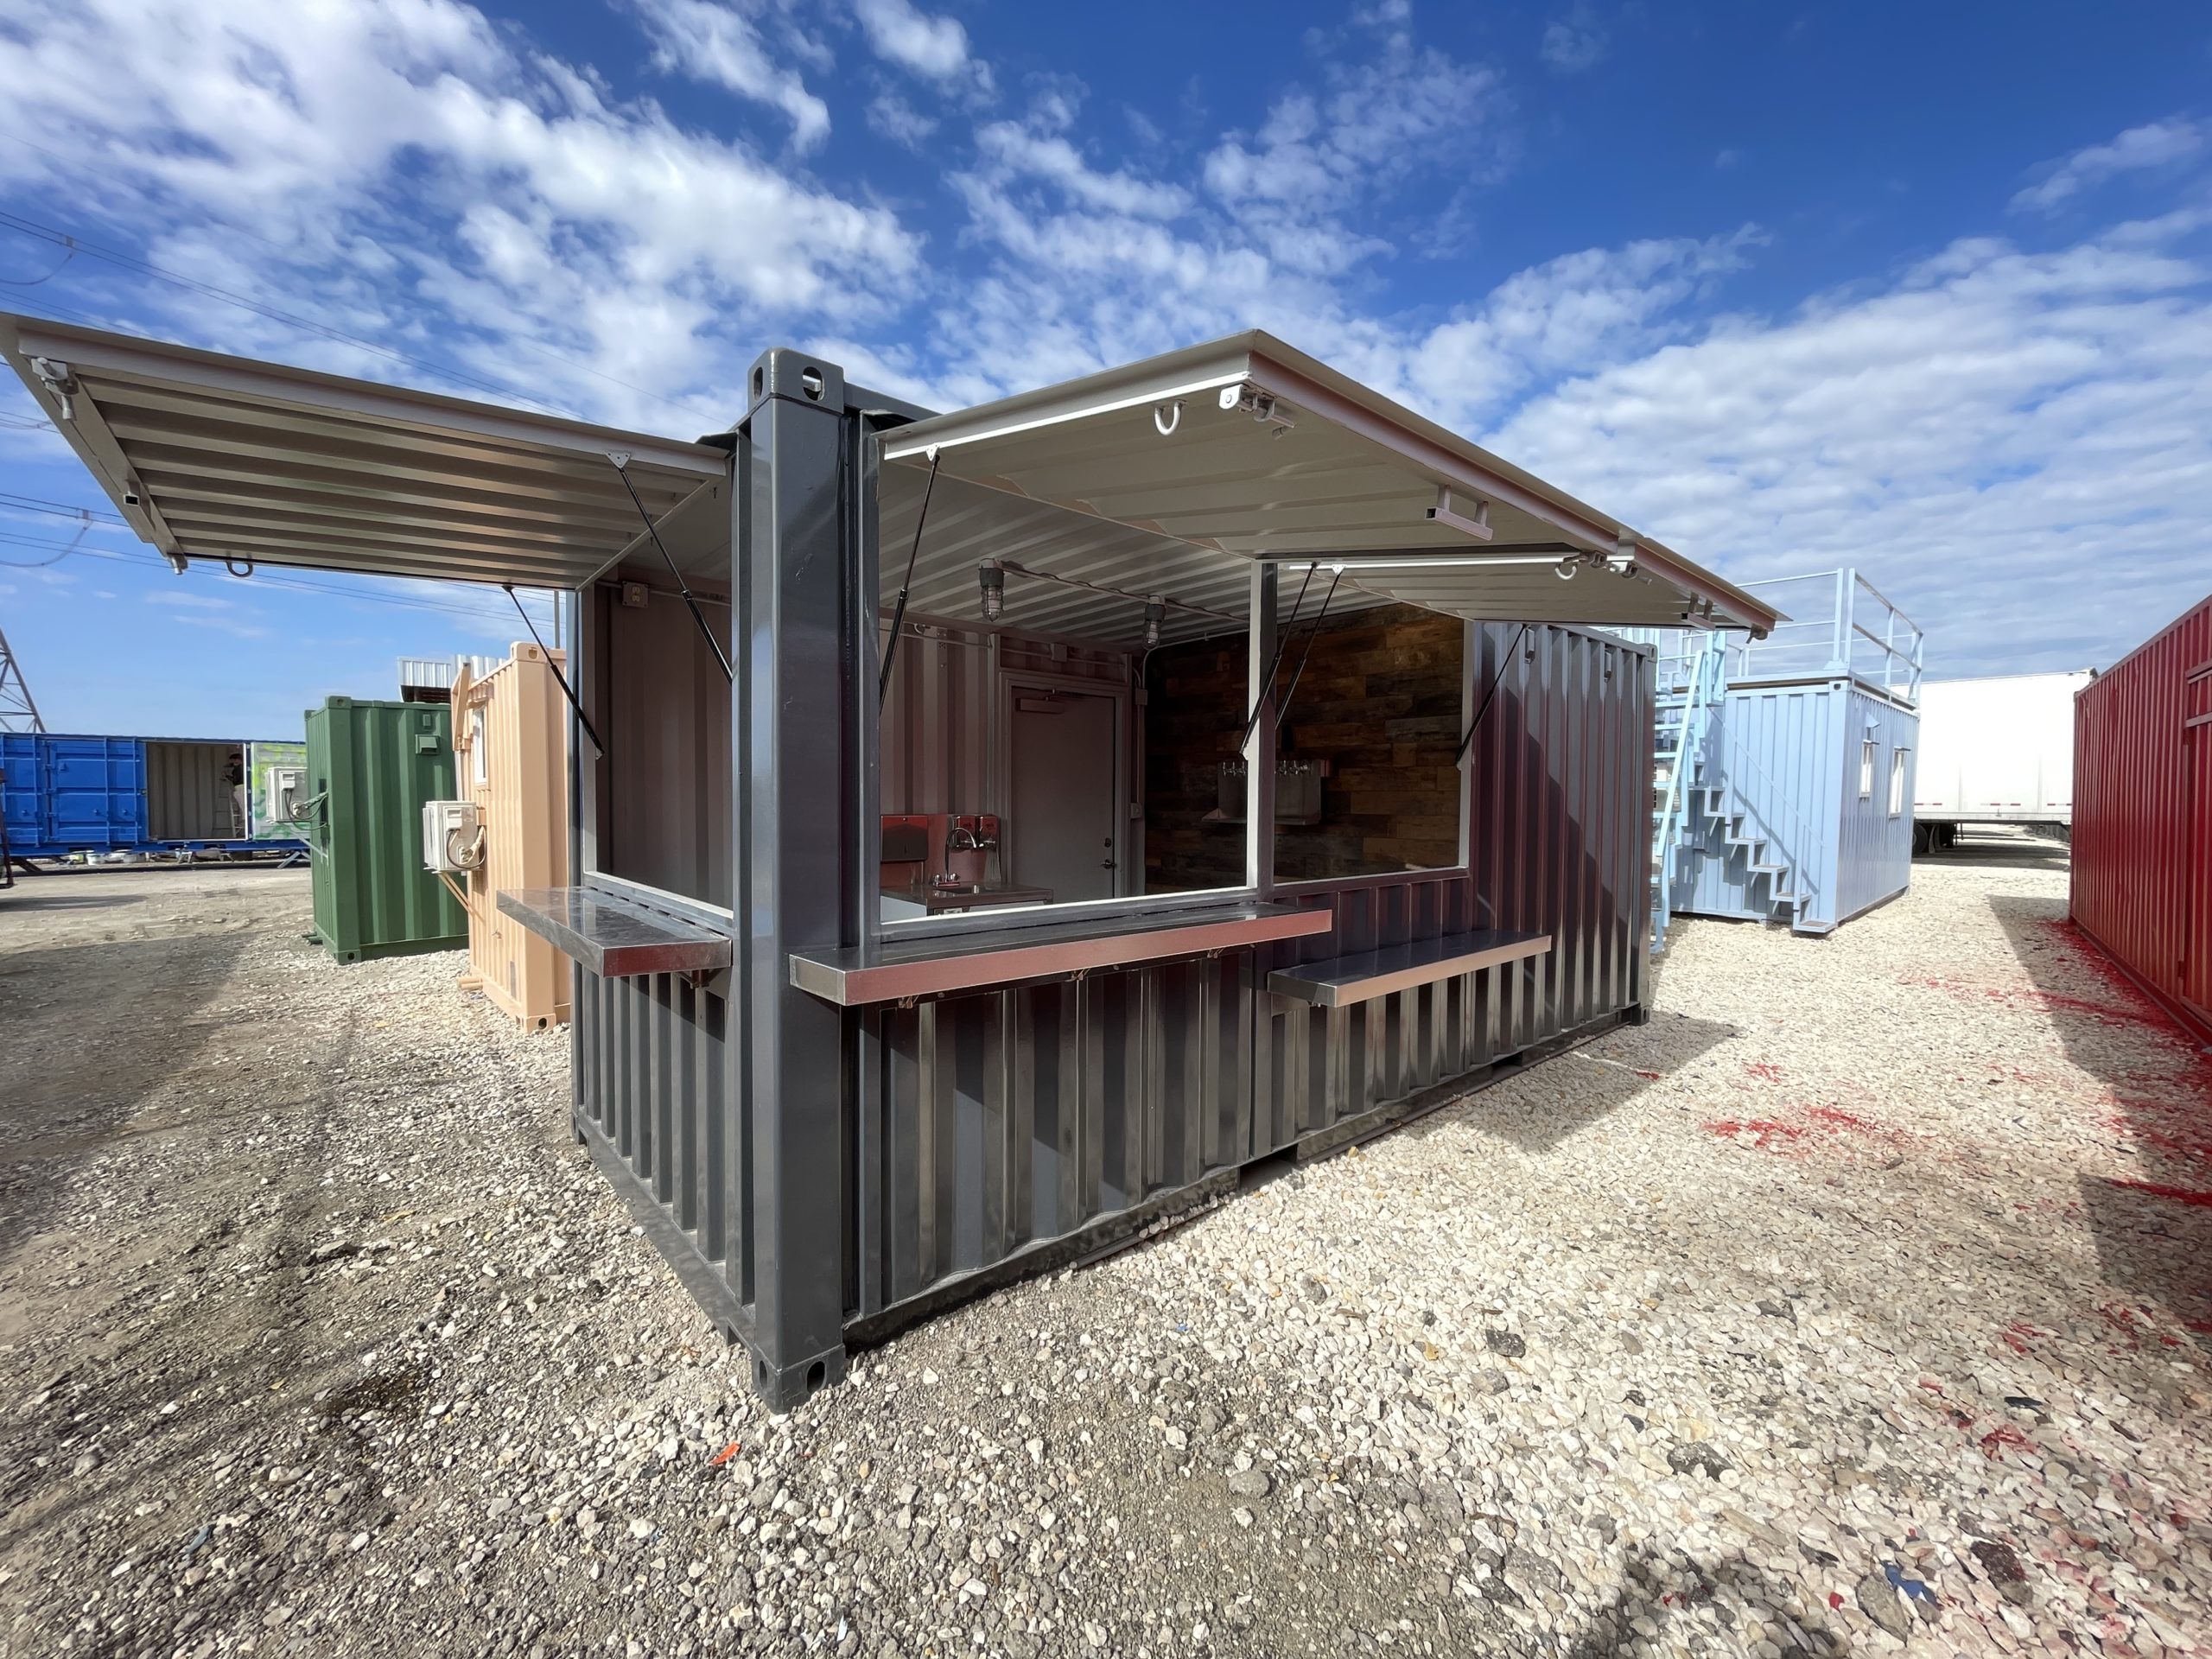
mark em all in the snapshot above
pixel 1769 869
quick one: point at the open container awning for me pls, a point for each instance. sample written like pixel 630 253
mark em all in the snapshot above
pixel 215 457
pixel 1246 447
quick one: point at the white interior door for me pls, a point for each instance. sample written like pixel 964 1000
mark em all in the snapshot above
pixel 1062 824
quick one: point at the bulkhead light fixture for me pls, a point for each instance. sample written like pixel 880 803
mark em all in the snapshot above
pixel 992 579
pixel 1155 612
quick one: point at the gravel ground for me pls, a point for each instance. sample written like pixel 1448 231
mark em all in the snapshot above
pixel 1861 1299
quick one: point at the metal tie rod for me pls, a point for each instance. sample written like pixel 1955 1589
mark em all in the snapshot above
pixel 622 466
pixel 559 678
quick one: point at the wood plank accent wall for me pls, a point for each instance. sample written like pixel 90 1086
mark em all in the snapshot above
pixel 1380 701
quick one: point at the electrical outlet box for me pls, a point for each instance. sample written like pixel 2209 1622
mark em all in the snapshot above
pixel 450 836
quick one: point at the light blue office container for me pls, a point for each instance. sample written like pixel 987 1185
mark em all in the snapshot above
pixel 1794 756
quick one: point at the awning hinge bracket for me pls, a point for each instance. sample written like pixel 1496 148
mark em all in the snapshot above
pixel 1260 405
pixel 60 383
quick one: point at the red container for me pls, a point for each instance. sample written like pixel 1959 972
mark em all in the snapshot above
pixel 2142 881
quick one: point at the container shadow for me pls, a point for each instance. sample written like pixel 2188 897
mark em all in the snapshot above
pixel 2153 1237
pixel 1676 1581
pixel 1558 1098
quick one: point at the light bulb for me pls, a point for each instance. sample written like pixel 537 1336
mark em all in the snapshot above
pixel 992 580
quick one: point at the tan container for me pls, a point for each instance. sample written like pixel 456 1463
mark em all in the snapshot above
pixel 510 739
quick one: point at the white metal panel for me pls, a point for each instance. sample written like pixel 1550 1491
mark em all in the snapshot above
pixel 1998 750
pixel 217 457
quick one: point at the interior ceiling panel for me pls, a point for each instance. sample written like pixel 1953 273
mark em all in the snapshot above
pixel 215 457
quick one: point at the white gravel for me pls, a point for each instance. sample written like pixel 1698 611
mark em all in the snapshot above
pixel 1861 1299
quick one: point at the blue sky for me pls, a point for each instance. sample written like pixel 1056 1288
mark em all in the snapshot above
pixel 1920 288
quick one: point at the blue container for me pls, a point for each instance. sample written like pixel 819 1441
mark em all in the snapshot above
pixel 1796 765
pixel 64 794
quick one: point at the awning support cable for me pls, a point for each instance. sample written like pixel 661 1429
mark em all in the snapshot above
pixel 1282 639
pixel 1297 674
pixel 898 611
pixel 559 678
pixel 622 466
pixel 1474 725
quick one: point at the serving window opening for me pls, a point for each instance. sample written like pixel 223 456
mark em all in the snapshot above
pixel 658 795
pixel 1018 719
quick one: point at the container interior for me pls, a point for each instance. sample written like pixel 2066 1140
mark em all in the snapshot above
pixel 195 791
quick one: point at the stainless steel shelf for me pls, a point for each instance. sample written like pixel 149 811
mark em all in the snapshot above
pixel 615 938
pixel 894 971
pixel 1339 982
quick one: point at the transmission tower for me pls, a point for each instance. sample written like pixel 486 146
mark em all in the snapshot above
pixel 17 712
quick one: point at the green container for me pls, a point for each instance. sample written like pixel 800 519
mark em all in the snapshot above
pixel 371 765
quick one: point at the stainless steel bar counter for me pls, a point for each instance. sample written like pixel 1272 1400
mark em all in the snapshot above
pixel 897 970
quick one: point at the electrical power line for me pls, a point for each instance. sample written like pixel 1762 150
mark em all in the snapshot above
pixel 288 583
pixel 62 509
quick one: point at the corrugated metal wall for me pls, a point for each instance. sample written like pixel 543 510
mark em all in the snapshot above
pixel 653 1074
pixel 511 747
pixel 665 718
pixel 1874 849
pixel 1790 756
pixel 987 1125
pixel 2142 861
pixel 941 739
pixel 187 798
pixel 371 766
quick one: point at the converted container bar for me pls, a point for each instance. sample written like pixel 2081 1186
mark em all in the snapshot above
pixel 842 1132
pixel 820 1169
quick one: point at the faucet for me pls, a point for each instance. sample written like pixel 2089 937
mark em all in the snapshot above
pixel 962 840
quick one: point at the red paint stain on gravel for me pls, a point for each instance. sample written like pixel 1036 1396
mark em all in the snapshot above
pixel 1831 1123
pixel 1993 1443
pixel 1765 1071
pixel 2178 1194
pixel 2031 1000
pixel 2016 1336
pixel 1767 1136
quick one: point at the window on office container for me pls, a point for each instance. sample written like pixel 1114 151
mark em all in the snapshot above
pixel 1866 769
pixel 1896 782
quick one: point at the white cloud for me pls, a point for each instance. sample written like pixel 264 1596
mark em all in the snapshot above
pixel 2155 144
pixel 190 601
pixel 2009 444
pixel 935 46
pixel 1574 42
pixel 397 170
pixel 1019 151
pixel 894 118
pixel 722 44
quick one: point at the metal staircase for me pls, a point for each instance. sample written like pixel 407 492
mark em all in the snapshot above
pixel 1689 687
pixel 1697 812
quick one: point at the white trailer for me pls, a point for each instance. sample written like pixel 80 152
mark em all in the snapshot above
pixel 1995 751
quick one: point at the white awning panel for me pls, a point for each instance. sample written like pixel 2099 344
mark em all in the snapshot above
pixel 216 457
pixel 1248 447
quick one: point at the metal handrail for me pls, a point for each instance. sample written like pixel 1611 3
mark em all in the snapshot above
pixel 1700 688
